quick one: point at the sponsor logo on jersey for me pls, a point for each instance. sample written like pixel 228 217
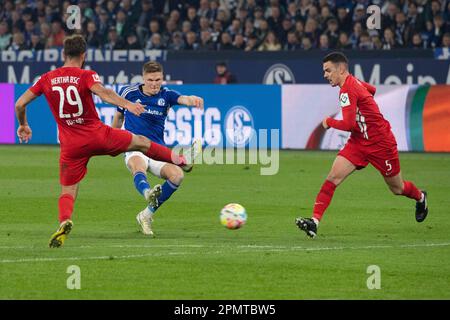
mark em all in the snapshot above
pixel 239 126
pixel 96 77
pixel 155 112
pixel 279 74
pixel 344 99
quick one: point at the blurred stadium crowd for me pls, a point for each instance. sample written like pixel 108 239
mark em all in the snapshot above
pixel 208 25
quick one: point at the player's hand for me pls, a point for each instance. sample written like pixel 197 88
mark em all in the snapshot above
pixel 197 102
pixel 324 123
pixel 24 133
pixel 135 108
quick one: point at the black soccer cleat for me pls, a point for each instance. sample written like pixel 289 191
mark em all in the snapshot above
pixel 308 225
pixel 422 208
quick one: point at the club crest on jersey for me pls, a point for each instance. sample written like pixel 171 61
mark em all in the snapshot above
pixel 161 102
pixel 344 100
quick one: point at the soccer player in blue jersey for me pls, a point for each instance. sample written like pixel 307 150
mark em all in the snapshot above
pixel 157 101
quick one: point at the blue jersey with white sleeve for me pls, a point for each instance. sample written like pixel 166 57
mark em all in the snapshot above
pixel 150 123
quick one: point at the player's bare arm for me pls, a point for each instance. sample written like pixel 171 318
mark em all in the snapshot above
pixel 117 120
pixel 24 131
pixel 191 101
pixel 110 96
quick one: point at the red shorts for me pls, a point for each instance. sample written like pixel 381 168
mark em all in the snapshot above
pixel 74 158
pixel 382 155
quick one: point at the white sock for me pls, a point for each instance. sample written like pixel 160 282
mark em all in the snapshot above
pixel 422 198
pixel 147 211
pixel 315 221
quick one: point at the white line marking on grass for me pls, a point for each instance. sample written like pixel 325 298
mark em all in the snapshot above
pixel 117 246
pixel 265 249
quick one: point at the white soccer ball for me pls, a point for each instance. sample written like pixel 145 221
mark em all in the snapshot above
pixel 233 216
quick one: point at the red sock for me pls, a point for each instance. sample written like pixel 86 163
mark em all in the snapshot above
pixel 162 153
pixel 65 205
pixel 323 199
pixel 411 191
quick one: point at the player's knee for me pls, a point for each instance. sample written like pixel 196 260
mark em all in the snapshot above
pixel 137 168
pixel 396 190
pixel 176 175
pixel 136 164
pixel 334 179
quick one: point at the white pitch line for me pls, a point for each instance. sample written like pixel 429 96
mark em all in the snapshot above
pixel 250 246
pixel 116 246
pixel 274 249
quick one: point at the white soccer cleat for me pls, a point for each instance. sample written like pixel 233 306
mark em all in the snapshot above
pixel 145 219
pixel 152 195
pixel 191 155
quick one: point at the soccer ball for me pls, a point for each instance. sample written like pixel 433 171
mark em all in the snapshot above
pixel 233 216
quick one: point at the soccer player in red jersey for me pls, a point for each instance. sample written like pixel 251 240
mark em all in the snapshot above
pixel 68 91
pixel 371 141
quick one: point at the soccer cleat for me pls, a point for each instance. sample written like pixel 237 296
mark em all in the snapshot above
pixel 145 220
pixel 58 238
pixel 191 154
pixel 422 208
pixel 307 225
pixel 152 195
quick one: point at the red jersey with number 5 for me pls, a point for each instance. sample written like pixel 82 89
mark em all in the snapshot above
pixel 361 115
pixel 68 94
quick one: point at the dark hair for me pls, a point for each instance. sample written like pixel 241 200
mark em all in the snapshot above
pixel 152 66
pixel 74 46
pixel 335 57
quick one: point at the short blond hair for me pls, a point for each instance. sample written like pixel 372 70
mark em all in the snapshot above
pixel 152 66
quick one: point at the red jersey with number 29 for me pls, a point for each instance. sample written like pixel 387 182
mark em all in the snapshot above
pixel 68 94
pixel 361 115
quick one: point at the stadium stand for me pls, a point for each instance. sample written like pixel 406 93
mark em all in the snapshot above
pixel 240 25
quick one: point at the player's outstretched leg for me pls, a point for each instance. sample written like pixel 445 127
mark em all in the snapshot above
pixel 340 170
pixel 65 206
pixel 155 151
pixel 322 202
pixel 174 176
pixel 162 153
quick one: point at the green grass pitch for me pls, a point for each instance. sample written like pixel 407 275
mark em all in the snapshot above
pixel 194 257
